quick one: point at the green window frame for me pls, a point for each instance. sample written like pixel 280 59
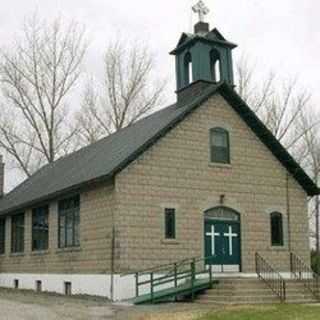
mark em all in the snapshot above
pixel 40 228
pixel 69 222
pixel 276 221
pixel 170 223
pixel 2 236
pixel 17 233
pixel 219 146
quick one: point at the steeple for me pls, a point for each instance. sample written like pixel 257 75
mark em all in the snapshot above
pixel 204 56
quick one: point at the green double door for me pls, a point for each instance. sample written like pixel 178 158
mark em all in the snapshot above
pixel 222 242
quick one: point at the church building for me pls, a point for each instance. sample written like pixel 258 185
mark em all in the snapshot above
pixel 203 177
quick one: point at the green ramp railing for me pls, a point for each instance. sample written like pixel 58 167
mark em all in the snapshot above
pixel 182 277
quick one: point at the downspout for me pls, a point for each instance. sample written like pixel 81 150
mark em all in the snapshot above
pixel 113 241
pixel 112 262
pixel 288 211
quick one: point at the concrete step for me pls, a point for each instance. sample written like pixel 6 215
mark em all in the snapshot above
pixel 239 286
pixel 239 300
pixel 237 303
pixel 302 300
pixel 240 292
pixel 254 291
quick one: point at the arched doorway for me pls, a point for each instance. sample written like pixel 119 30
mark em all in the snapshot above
pixel 222 240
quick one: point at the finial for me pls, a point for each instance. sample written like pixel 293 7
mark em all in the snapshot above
pixel 201 9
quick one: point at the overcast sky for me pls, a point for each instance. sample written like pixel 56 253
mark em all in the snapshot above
pixel 282 35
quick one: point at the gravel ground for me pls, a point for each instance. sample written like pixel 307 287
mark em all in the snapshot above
pixel 27 305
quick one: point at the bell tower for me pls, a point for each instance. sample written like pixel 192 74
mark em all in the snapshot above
pixel 204 56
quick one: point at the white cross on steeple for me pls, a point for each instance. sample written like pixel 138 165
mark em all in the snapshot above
pixel 230 235
pixel 213 235
pixel 201 9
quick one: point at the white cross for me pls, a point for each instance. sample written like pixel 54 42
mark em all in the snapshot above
pixel 230 235
pixel 201 9
pixel 213 235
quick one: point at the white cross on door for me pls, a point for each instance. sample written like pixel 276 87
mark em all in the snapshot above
pixel 230 235
pixel 213 235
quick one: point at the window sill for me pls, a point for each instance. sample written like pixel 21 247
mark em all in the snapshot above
pixel 16 254
pixel 278 248
pixel 39 252
pixel 220 165
pixel 170 241
pixel 68 249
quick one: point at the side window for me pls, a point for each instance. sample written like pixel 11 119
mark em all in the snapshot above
pixel 40 228
pixel 69 222
pixel 188 69
pixel 276 221
pixel 219 146
pixel 17 233
pixel 170 223
pixel 2 235
pixel 215 66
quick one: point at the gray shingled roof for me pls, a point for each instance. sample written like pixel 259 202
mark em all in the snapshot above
pixel 91 163
pixel 103 159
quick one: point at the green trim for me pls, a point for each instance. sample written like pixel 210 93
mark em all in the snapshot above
pixel 189 39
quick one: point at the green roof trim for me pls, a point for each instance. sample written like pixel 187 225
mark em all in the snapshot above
pixel 214 36
pixel 102 160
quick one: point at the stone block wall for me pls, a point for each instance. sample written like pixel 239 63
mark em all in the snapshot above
pixel 92 257
pixel 176 173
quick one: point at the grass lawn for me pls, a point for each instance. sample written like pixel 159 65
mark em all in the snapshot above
pixel 273 312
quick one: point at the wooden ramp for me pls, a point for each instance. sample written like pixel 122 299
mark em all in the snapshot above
pixel 170 293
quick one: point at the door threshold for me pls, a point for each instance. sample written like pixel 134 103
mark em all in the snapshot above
pixel 234 275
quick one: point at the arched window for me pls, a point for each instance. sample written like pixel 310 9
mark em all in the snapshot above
pixel 188 68
pixel 276 229
pixel 219 145
pixel 215 66
pixel 222 213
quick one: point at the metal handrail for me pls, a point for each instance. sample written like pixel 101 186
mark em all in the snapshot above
pixel 302 272
pixel 271 277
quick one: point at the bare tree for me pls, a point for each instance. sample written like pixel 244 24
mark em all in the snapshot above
pixel 279 104
pixel 287 111
pixel 309 149
pixel 37 74
pixel 127 92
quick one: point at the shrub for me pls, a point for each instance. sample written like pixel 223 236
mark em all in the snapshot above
pixel 315 261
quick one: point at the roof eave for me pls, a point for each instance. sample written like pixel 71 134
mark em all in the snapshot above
pixel 190 41
pixel 268 139
pixel 59 194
